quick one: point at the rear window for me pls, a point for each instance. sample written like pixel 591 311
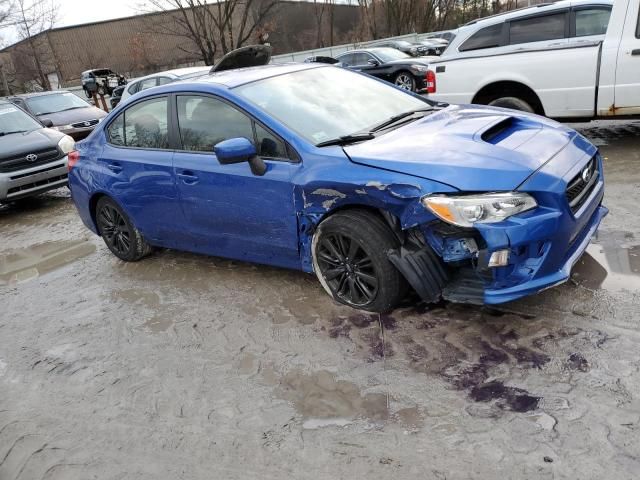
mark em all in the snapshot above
pixel 487 37
pixel 537 29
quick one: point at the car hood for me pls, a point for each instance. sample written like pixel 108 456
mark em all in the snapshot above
pixel 74 116
pixel 470 148
pixel 24 143
pixel 424 60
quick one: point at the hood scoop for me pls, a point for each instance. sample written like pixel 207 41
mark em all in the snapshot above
pixel 510 132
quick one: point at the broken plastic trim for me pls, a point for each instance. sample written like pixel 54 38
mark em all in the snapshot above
pixel 249 56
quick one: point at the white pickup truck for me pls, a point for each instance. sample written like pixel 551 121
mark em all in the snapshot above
pixel 571 59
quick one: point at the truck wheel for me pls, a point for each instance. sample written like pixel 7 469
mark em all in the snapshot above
pixel 405 81
pixel 120 235
pixel 350 259
pixel 513 103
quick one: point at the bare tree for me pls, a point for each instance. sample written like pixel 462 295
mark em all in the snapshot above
pixel 214 28
pixel 32 17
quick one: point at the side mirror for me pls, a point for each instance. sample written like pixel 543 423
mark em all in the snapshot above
pixel 46 122
pixel 238 150
pixel 373 63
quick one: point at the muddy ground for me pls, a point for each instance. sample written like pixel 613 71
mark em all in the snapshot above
pixel 188 367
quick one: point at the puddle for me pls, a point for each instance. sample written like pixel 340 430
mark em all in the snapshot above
pixel 322 400
pixel 158 324
pixel 21 265
pixel 609 267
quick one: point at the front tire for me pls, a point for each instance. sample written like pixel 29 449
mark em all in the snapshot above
pixel 350 260
pixel 120 235
pixel 405 81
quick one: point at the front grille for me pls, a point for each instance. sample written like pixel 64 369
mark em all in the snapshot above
pixel 88 123
pixel 581 186
pixel 40 183
pixel 19 162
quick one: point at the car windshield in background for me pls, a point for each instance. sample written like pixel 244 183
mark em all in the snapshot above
pixel 389 54
pixel 14 120
pixel 44 104
pixel 327 102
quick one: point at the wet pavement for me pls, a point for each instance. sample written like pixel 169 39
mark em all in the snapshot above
pixel 184 366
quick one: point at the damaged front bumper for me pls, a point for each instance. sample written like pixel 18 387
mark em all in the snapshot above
pixel 541 246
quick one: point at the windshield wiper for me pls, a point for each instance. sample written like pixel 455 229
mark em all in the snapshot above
pixel 346 139
pixel 70 108
pixel 398 117
pixel 2 134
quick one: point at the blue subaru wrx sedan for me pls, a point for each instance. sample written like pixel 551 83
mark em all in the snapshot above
pixel 373 189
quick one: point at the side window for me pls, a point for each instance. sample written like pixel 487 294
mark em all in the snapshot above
pixel 115 132
pixel 638 26
pixel 164 80
pixel 148 83
pixel 592 21
pixel 143 125
pixel 205 121
pixel 488 37
pixel 268 145
pixel 361 59
pixel 346 60
pixel 537 29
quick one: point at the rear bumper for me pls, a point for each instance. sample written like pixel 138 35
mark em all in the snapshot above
pixel 32 181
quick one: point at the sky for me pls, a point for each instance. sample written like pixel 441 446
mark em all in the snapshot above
pixel 75 12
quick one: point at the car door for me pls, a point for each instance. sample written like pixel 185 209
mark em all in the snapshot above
pixel 137 167
pixel 627 89
pixel 229 211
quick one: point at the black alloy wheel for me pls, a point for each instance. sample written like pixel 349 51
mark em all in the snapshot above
pixel 347 269
pixel 121 237
pixel 350 258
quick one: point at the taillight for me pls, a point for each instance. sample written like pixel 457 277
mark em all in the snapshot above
pixel 431 81
pixel 74 157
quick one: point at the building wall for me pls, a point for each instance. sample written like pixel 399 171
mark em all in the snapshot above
pixel 137 46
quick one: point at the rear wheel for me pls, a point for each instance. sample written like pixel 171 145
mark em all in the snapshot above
pixel 350 259
pixel 120 235
pixel 405 81
pixel 513 103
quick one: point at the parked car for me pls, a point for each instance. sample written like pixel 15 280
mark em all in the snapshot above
pixel 447 35
pixel 162 78
pixel 392 65
pixel 567 60
pixel 434 46
pixel 321 59
pixel 412 49
pixel 105 78
pixel 62 111
pixel 33 159
pixel 316 168
pixel 116 96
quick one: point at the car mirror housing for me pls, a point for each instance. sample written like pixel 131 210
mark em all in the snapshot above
pixel 46 122
pixel 238 150
pixel 373 62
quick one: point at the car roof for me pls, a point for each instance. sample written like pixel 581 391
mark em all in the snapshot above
pixel 541 7
pixel 176 73
pixel 370 50
pixel 40 94
pixel 240 76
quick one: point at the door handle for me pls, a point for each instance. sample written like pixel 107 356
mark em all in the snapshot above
pixel 188 177
pixel 114 167
pixel 635 52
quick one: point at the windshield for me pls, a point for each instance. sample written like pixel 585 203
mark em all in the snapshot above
pixel 14 120
pixel 389 54
pixel 43 104
pixel 328 102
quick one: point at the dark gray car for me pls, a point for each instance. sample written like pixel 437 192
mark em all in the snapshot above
pixel 62 111
pixel 33 159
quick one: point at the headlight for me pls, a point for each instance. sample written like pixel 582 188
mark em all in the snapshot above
pixel 465 211
pixel 419 68
pixel 67 144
